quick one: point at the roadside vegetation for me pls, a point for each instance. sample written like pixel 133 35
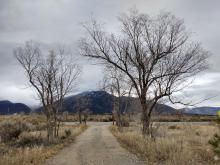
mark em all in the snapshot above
pixel 95 118
pixel 215 140
pixel 108 118
pixel 172 143
pixel 24 139
pixel 161 118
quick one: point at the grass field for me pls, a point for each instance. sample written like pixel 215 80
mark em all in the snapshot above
pixel 161 118
pixel 176 144
pixel 25 150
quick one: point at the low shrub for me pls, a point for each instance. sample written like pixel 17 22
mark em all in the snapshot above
pixel 215 143
pixel 10 130
pixel 26 139
pixel 125 123
pixel 67 132
pixel 4 150
pixel 215 140
pixel 173 127
pixel 198 133
pixel 40 127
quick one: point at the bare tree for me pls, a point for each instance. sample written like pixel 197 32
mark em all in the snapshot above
pixel 155 53
pixel 81 105
pixel 115 82
pixel 132 107
pixel 53 75
pixel 85 114
pixel 65 115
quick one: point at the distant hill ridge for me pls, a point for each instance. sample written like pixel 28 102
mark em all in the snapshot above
pixel 7 107
pixel 101 102
pixel 202 110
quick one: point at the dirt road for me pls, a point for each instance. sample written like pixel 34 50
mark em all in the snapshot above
pixel 96 146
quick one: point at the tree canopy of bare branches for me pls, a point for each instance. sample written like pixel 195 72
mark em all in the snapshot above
pixel 82 105
pixel 155 53
pixel 52 74
pixel 115 82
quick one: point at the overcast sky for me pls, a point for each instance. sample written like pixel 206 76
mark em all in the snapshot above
pixel 57 21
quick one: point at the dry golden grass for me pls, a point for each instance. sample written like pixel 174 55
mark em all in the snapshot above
pixel 182 118
pixel 107 118
pixel 97 118
pixel 39 153
pixel 185 144
pixel 161 118
pixel 35 118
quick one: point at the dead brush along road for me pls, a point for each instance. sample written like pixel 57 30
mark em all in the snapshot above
pixel 95 146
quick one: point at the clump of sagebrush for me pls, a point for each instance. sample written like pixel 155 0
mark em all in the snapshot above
pixel 215 140
pixel 125 122
pixel 173 127
pixel 27 139
pixel 67 133
pixel 10 130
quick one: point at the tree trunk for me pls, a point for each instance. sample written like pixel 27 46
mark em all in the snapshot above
pixel 146 125
pixel 117 119
pixel 58 127
pixel 113 119
pixel 55 126
pixel 119 122
pixel 80 117
pixel 117 113
pixel 49 130
pixel 145 118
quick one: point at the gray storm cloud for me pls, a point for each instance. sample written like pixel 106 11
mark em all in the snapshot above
pixel 59 22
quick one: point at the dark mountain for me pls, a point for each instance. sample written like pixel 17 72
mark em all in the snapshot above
pixel 7 107
pixel 101 102
pixel 202 110
pixel 164 109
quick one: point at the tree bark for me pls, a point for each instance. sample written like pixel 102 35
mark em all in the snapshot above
pixel 58 128
pixel 146 125
pixel 113 119
pixel 49 130
pixel 145 118
pixel 80 117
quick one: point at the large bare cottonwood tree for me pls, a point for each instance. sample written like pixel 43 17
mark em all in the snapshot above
pixel 53 75
pixel 154 52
